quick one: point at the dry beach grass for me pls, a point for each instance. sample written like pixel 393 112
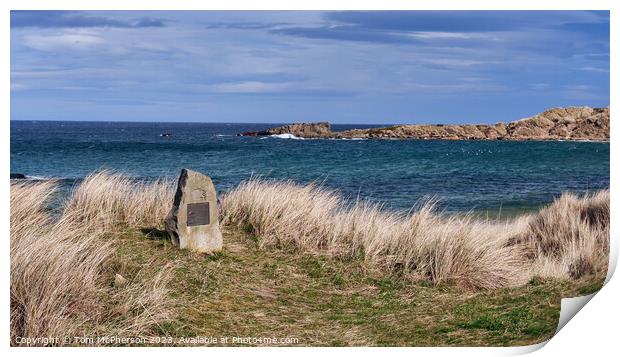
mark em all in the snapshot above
pixel 65 266
pixel 61 284
pixel 113 201
pixel 567 239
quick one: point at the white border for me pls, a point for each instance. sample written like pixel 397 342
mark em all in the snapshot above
pixel 309 5
pixel 592 330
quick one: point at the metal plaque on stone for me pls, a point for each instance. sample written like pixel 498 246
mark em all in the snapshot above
pixel 198 214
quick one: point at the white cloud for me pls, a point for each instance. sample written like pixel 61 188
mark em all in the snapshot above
pixel 594 69
pixel 455 87
pixel 579 87
pixel 64 42
pixel 580 92
pixel 249 87
pixel 540 86
pixel 456 62
pixel 184 61
pixel 18 86
pixel 423 35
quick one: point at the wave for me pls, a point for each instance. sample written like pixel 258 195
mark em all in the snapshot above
pixel 285 136
pixel 293 137
pixel 65 179
pixel 31 178
pixel 36 178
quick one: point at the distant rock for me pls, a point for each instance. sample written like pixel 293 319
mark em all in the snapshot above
pixel 301 130
pixel 572 123
pixel 16 176
pixel 253 133
pixel 304 130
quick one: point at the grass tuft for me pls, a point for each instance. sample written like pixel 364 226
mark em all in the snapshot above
pixel 60 268
pixel 115 202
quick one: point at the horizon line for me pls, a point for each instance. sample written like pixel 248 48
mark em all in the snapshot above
pixel 301 122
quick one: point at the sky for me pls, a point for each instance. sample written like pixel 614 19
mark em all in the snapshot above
pixel 299 66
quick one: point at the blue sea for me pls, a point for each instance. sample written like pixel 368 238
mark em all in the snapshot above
pixel 479 176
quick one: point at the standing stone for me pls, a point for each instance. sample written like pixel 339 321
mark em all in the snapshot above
pixel 192 222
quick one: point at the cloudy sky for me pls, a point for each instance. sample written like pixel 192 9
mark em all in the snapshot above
pixel 343 67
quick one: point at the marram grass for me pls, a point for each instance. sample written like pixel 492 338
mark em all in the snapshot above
pixel 567 239
pixel 64 269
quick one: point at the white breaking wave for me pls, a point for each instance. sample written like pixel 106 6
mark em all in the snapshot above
pixel 286 136
pixel 36 178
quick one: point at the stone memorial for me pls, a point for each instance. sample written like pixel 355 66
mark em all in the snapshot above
pixel 192 222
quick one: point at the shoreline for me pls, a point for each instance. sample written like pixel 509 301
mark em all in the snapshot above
pixel 601 141
pixel 499 213
pixel 556 124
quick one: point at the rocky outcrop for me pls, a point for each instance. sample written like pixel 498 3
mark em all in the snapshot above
pixel 302 130
pixel 572 123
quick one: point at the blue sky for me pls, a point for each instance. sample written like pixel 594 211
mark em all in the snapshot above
pixel 292 66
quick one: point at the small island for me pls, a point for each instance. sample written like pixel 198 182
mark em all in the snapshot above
pixel 571 123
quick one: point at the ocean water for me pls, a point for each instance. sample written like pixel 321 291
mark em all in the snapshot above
pixel 478 176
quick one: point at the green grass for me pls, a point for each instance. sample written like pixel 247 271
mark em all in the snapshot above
pixel 321 301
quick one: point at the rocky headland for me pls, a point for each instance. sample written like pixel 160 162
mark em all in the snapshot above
pixel 571 123
pixel 302 130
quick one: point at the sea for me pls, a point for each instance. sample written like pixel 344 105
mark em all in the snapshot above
pixel 483 177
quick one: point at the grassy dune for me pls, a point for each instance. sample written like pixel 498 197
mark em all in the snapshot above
pixel 568 239
pixel 297 262
pixel 63 271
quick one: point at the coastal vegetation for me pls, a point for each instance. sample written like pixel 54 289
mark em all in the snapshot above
pixel 64 279
pixel 567 239
pixel 298 261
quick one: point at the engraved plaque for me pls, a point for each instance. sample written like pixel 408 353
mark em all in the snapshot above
pixel 198 214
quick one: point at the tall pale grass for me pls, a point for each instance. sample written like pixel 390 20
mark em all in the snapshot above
pixel 60 266
pixel 59 281
pixel 55 266
pixel 114 201
pixel 570 237
pixel 478 254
